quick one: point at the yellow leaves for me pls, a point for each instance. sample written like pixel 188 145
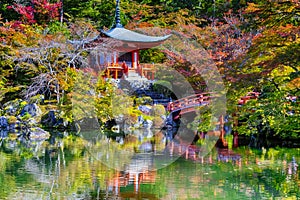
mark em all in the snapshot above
pixel 252 7
pixel 282 71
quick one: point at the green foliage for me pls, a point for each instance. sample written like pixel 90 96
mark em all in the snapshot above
pixel 229 139
pixel 105 92
pixel 158 110
pixel 271 67
pixel 273 13
pixel 58 27
pixel 163 87
pixel 143 100
pixel 99 12
pixel 204 121
pixel 255 48
pixel 152 55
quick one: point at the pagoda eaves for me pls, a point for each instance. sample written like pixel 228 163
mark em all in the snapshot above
pixel 138 40
pixel 131 40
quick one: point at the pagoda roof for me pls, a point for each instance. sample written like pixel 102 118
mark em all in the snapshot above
pixel 127 40
pixel 125 35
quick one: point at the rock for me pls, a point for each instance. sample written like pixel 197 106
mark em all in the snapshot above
pixel 3 133
pixel 32 109
pixel 14 123
pixel 14 107
pixel 50 119
pixel 140 119
pixel 145 109
pixel 38 134
pixel 148 123
pixel 31 122
pixel 3 123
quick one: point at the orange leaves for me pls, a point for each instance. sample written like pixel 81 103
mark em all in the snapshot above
pixel 134 25
pixel 294 84
pixel 252 8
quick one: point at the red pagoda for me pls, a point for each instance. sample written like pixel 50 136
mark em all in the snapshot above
pixel 124 57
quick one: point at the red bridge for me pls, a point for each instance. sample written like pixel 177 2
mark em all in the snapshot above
pixel 188 104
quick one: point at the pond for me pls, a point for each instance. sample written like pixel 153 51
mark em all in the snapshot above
pixel 74 167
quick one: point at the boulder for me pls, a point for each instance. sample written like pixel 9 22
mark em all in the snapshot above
pixel 3 123
pixel 3 133
pixel 85 124
pixel 14 107
pixel 38 134
pixel 51 120
pixel 32 109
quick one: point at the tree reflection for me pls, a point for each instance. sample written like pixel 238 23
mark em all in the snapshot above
pixel 67 168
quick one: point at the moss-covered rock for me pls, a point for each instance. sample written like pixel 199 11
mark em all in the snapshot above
pixel 13 107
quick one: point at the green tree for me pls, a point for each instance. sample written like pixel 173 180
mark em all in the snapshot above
pixel 271 67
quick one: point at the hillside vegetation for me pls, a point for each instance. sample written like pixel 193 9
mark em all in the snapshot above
pixel 255 45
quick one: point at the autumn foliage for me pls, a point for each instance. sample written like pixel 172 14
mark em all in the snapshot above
pixel 255 46
pixel 37 11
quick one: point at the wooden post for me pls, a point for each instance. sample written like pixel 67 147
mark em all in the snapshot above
pixel 142 71
pixel 108 73
pixel 187 153
pixel 116 73
pixel 186 102
pixel 222 131
pixel 138 69
pixel 235 140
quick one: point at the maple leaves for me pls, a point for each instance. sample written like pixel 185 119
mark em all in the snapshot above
pixel 26 12
pixel 38 11
pixel 272 67
pixel 270 13
pixel 255 49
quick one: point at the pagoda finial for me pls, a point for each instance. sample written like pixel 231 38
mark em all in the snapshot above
pixel 118 19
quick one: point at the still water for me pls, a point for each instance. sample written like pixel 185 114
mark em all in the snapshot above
pixel 73 167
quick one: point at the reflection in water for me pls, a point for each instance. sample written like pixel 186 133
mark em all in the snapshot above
pixel 70 167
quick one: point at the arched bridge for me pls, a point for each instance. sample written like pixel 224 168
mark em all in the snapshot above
pixel 188 104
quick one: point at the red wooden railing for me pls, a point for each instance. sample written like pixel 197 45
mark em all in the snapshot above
pixel 190 102
pixel 250 95
pixel 116 70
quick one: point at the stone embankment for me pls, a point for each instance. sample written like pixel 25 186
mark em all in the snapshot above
pixel 22 118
